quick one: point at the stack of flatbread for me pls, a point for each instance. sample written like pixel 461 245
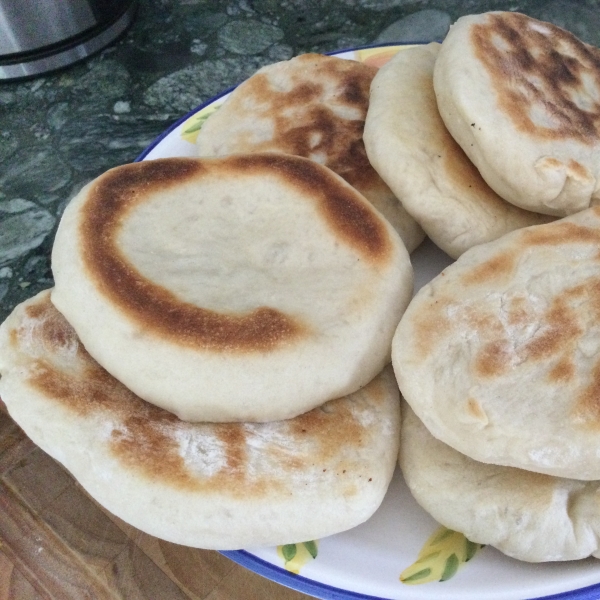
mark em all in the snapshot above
pixel 498 357
pixel 211 364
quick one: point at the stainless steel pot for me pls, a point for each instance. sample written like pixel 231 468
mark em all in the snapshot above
pixel 37 36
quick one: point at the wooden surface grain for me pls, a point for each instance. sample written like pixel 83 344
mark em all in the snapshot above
pixel 56 543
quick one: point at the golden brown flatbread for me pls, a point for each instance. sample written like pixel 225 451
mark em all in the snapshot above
pixel 243 288
pixel 522 98
pixel 220 486
pixel 529 516
pixel 499 355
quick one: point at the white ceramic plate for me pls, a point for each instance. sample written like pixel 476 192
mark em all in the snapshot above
pixel 367 561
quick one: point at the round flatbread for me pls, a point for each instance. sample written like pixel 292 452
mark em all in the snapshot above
pixel 220 486
pixel 312 106
pixel 522 98
pixel 526 515
pixel 499 355
pixel 246 288
pixel 410 147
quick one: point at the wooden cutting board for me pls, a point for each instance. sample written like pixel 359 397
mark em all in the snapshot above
pixel 57 543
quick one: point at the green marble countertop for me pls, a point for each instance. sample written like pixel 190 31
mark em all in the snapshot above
pixel 59 131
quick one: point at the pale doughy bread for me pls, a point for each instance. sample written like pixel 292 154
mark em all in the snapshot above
pixel 312 106
pixel 522 98
pixel 246 288
pixel 410 147
pixel 526 515
pixel 221 486
pixel 499 355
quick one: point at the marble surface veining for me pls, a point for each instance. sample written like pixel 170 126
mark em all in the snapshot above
pixel 59 131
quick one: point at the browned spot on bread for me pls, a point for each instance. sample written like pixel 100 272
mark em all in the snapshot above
pixel 12 338
pixel 430 325
pixel 552 162
pixel 587 406
pixel 355 223
pixel 545 79
pixel 578 169
pixel 53 332
pixel 377 391
pixel 481 320
pixel 497 267
pixel 346 213
pixel 517 313
pixel 559 328
pixel 142 444
pixel 148 442
pixel 234 440
pixel 347 427
pixel 475 410
pixel 355 90
pixel 35 311
pixel 559 233
pixel 158 310
pixel 341 424
pixel 562 371
pixel 85 393
pixel 493 359
pixel 320 117
pixel 560 331
pixel 322 431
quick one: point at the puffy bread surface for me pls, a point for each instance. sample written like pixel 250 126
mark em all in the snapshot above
pixel 522 98
pixel 220 486
pixel 529 516
pixel 499 355
pixel 312 106
pixel 409 145
pixel 246 288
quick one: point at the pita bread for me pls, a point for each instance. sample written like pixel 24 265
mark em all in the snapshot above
pixel 499 355
pixel 312 106
pixel 246 288
pixel 409 146
pixel 522 98
pixel 220 486
pixel 526 515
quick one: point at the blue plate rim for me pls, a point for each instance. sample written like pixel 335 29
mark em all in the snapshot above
pixel 263 567
pixel 297 582
pixel 326 592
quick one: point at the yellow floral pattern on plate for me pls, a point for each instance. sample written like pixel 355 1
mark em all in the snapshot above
pixel 440 558
pixel 377 57
pixel 295 556
pixel 191 127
